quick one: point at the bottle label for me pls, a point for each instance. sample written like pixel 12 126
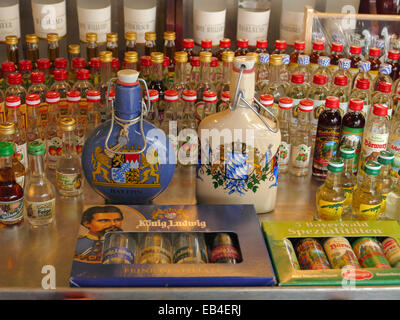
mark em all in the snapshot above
pixel 352 137
pixel 284 155
pixel 22 154
pixel 54 149
pixel 301 156
pixel 187 255
pixel 391 250
pixel 222 252
pixel 340 253
pixel 373 144
pixel 40 210
pixel 292 23
pixel 369 212
pixel 94 20
pixel 12 210
pixel 369 253
pixel 209 25
pixel 69 182
pixel 9 17
pixel 252 25
pixel 326 144
pixel 49 18
pixel 318 108
pixel 140 21
pixel 118 255
pixel 155 254
pixel 328 210
pixel 394 147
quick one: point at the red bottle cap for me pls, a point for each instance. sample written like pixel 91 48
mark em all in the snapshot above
pixel 188 43
pixel 13 102
pixel 60 63
pixel 286 103
pixel 225 43
pixel 73 96
pixel 318 46
pixel 319 79
pixel 332 102
pixel 7 66
pixel 267 100
pixel 362 84
pixel 356 104
pixel 262 44
pixel 337 47
pixel 171 95
pixel 195 61
pixel 154 95
pixel 52 97
pixel 115 63
pixel 60 75
pixel 25 65
pixel 95 63
pixel 37 77
pixel 78 63
pixel 145 61
pixel 33 99
pixel 82 74
pixel 340 80
pixel 243 43
pixel 225 96
pixel 210 96
pixel 93 96
pixel 280 44
pixel 374 52
pixel 355 49
pixel 384 86
pixel 214 62
pixel 394 54
pixel 165 62
pixel 111 95
pixel 298 77
pixel 43 63
pixel 15 78
pixel 206 44
pixel 189 95
pixel 380 110
pixel 299 45
pixel 306 105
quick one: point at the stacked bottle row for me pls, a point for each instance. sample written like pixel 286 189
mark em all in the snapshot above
pixel 170 248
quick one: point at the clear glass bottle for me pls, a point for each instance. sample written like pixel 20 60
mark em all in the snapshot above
pixel 96 112
pixel 95 71
pixel 150 43
pixel 194 72
pixel 130 61
pixel 343 70
pixel 92 50
pixel 267 101
pixel 205 83
pixel 169 48
pixel 44 66
pixel 215 75
pixel 355 58
pixel 74 51
pixel 15 87
pixel 106 75
pixel 223 103
pixel 331 196
pixel 12 49
pixel 188 122
pixel 297 91
pixel 210 103
pixel 7 68
pixel 155 248
pixel 242 47
pixel 317 51
pixel 299 47
pixel 301 140
pixel 53 135
pixel 34 128
pixel 383 75
pixel 25 68
pixel 363 72
pixel 188 45
pixel 152 115
pixel 11 193
pixel 280 47
pixel 362 92
pixel 180 83
pixel 275 86
pixel 60 84
pixel 115 67
pixel 373 57
pixel 68 167
pixel 302 66
pixel 169 107
pixel 394 142
pixel 145 69
pixel 224 45
pixel 384 181
pixel 130 41
pixel 77 63
pixel 261 46
pixel 74 110
pixel 341 90
pixel 82 84
pixel 157 82
pixel 227 60
pixel 382 96
pixel 285 116
pixel 32 49
pixel 367 200
pixel 393 60
pixel 323 68
pixel 112 44
pixel 348 179
pixel 39 192
pixel 285 73
pixel 190 247
pixel 336 55
pixel 53 49
pixel 393 202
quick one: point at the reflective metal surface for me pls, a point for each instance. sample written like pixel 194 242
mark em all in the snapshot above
pixel 26 250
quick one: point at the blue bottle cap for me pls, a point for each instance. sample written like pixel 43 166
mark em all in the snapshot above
pixel 364 65
pixel 344 63
pixel 385 68
pixel 263 58
pixel 285 59
pixel 303 60
pixel 324 61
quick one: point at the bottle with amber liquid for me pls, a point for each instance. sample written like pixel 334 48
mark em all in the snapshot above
pixel 317 51
pixel 373 57
pixel 299 47
pixel 130 41
pixel 224 45
pixel 53 49
pixel 145 69
pixel 243 47
pixel 82 84
pixel 114 67
pixel 280 47
pixel 327 138
pixel 60 84
pixel 393 60
pixel 25 68
pixel 188 45
pixel 261 46
pixel 106 75
pixel 169 47
pixel 12 49
pixel 355 57
pixel 95 71
pixel 38 86
pixel 130 60
pixel 157 82
pixel 92 50
pixel 32 49
pixel 74 51
pixel 11 193
pixel 336 55
pixel 112 43
pixel 206 45
pixel 224 250
pixel 15 87
pixel 150 43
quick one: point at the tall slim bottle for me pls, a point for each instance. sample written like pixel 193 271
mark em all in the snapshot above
pixel 275 86
pixel 285 117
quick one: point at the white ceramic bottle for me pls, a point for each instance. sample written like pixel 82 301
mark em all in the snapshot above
pixel 239 149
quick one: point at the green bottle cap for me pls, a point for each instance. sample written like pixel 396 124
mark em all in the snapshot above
pixel 347 152
pixel 335 165
pixel 6 149
pixel 36 148
pixel 385 157
pixel 372 168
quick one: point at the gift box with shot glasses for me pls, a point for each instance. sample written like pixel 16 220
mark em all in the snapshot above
pixel 185 245
pixel 324 253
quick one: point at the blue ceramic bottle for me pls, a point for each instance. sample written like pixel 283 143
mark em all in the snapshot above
pixel 127 159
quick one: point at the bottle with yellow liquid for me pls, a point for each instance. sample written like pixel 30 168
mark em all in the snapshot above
pixel 367 200
pixel 384 180
pixel 349 181
pixel 331 195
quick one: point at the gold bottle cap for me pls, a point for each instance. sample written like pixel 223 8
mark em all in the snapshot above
pixel 150 36
pixel 181 56
pixel 74 49
pixel 131 57
pixel 130 36
pixel 227 56
pixel 275 59
pixel 7 128
pixel 205 56
pixel 52 37
pixel 106 56
pixel 91 37
pixel 254 55
pixel 31 38
pixel 67 124
pixel 11 39
pixel 157 57
pixel 112 37
pixel 169 35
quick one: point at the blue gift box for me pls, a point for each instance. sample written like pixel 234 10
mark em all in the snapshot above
pixel 254 268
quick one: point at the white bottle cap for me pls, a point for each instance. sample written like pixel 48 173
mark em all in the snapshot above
pixel 128 77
